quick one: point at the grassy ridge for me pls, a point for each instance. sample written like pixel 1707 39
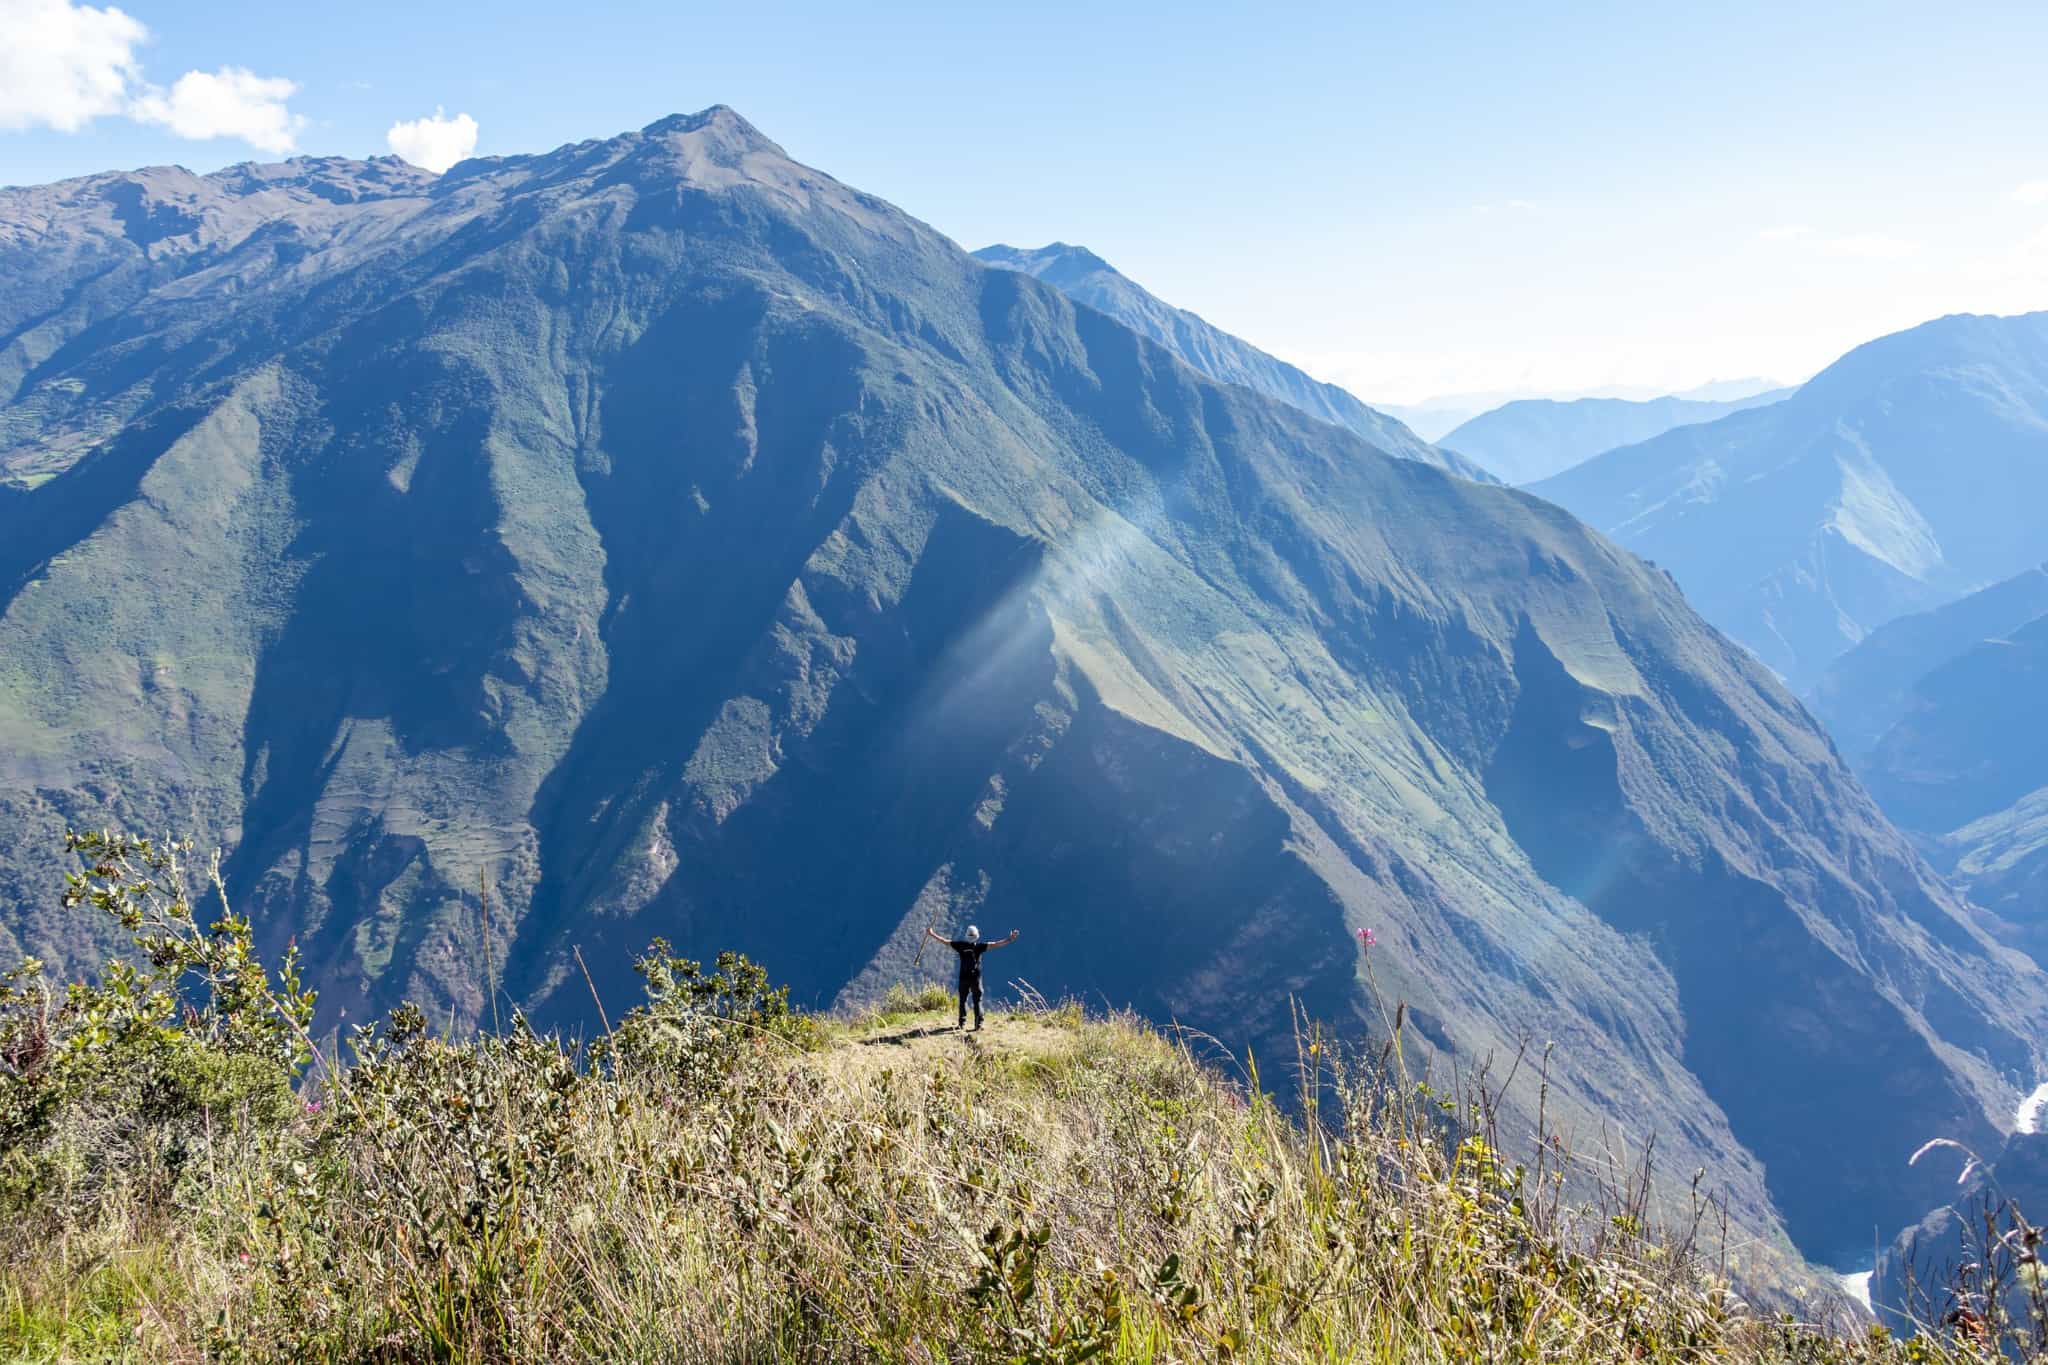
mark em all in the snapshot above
pixel 720 1178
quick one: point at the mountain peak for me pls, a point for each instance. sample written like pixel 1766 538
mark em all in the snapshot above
pixel 1055 262
pixel 721 123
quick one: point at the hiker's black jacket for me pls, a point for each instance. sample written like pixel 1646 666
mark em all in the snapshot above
pixel 970 957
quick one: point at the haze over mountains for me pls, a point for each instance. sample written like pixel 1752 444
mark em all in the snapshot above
pixel 690 544
pixel 1434 418
pixel 1534 438
pixel 1910 472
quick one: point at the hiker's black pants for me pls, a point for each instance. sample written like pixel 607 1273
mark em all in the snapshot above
pixel 970 986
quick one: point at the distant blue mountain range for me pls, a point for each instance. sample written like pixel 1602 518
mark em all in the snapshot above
pixel 1911 472
pixel 1534 438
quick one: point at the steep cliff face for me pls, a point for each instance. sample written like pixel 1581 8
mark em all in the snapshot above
pixel 688 544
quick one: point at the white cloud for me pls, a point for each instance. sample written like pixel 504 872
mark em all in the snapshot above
pixel 2033 192
pixel 64 65
pixel 1869 247
pixel 230 102
pixel 434 143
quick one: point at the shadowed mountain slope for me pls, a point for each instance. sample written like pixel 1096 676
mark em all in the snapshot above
pixel 1910 472
pixel 1086 278
pixel 689 544
pixel 1869 689
pixel 1942 713
pixel 1534 438
pixel 1973 743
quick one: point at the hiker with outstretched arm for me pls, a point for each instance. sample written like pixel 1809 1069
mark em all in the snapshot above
pixel 970 950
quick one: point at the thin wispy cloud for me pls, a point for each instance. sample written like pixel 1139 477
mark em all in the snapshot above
pixel 2019 268
pixel 2032 192
pixel 1496 374
pixel 1862 246
pixel 434 143
pixel 1869 247
pixel 64 65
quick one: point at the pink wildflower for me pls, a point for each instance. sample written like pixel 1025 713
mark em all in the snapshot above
pixel 1365 938
pixel 312 1106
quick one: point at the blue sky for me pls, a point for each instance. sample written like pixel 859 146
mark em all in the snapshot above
pixel 1409 199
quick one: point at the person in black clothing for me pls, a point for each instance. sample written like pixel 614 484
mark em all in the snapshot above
pixel 970 950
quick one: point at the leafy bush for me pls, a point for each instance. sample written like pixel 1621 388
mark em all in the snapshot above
pixel 900 1000
pixel 696 1025
pixel 186 1041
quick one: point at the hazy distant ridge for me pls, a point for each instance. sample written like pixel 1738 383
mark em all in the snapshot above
pixel 1534 438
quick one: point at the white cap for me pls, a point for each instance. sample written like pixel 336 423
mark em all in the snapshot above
pixel 973 934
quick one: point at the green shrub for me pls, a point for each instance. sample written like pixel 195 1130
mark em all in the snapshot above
pixel 695 1025
pixel 117 1080
pixel 901 1000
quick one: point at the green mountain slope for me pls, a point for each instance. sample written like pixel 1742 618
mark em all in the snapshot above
pixel 686 543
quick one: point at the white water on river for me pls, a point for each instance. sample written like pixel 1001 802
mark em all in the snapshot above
pixel 2033 1111
pixel 2030 1117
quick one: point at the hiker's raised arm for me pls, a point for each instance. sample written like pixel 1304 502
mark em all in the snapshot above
pixel 1005 942
pixel 933 934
